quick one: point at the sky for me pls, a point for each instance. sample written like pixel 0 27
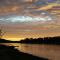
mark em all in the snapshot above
pixel 22 19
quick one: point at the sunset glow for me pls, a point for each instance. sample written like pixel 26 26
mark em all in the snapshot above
pixel 29 18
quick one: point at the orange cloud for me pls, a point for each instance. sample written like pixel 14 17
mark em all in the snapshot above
pixel 49 6
pixel 9 9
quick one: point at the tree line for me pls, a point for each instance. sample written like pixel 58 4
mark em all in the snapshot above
pixel 45 40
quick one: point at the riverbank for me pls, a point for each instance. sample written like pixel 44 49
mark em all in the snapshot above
pixel 10 53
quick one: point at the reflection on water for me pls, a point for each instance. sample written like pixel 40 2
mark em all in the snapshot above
pixel 51 52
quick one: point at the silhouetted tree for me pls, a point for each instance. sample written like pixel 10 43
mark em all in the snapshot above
pixel 46 40
pixel 1 32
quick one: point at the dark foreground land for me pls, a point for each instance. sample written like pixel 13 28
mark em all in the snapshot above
pixel 10 53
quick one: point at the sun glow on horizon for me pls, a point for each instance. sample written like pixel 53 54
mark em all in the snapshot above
pixel 14 39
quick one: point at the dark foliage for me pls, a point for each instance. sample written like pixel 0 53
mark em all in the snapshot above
pixel 46 40
pixel 10 53
pixel 7 41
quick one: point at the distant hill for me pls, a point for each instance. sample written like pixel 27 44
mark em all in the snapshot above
pixel 46 40
pixel 6 41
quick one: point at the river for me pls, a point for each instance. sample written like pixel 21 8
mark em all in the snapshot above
pixel 52 52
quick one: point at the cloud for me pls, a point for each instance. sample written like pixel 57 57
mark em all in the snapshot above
pixel 25 7
pixel 30 17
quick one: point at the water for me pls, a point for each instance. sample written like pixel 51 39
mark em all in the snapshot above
pixel 52 52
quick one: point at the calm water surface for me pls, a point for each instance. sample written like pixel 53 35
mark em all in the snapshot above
pixel 51 52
